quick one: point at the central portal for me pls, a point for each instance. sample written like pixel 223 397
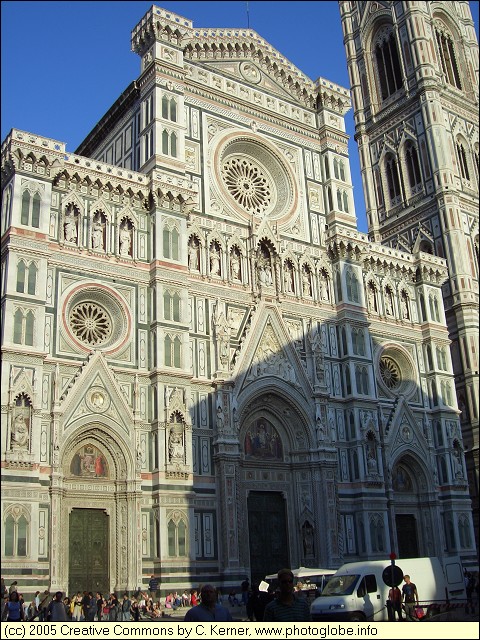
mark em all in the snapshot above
pixel 88 551
pixel 267 533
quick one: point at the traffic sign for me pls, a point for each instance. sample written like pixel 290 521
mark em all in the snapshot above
pixel 392 575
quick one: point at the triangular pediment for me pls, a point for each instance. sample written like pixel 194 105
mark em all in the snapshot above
pixel 269 352
pixel 250 74
pixel 246 57
pixel 404 432
pixel 95 393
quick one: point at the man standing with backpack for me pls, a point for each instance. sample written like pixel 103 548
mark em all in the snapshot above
pixel 126 605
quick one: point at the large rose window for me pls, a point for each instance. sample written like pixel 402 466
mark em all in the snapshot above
pixel 96 318
pixel 254 177
pixel 90 323
pixel 247 184
pixel 390 372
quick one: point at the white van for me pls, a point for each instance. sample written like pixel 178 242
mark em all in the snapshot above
pixel 357 591
pixel 312 580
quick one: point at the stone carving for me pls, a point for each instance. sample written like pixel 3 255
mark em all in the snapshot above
pixel 20 432
pixel 70 225
pixel 125 239
pixel 98 228
pixel 176 450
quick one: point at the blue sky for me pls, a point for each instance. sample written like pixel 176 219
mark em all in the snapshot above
pixel 63 64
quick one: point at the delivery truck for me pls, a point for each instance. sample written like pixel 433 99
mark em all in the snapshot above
pixel 359 591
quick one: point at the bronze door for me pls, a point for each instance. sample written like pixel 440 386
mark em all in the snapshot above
pixel 407 536
pixel 267 533
pixel 88 551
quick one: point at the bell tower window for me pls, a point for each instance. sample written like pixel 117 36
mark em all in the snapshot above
pixel 388 66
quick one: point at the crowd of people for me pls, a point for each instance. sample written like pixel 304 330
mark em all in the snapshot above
pixel 87 606
pixel 288 603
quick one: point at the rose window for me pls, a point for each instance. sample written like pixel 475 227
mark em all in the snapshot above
pixel 90 323
pixel 390 372
pixel 247 184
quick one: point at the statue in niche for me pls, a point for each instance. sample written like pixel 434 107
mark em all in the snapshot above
pixel 307 537
pixel 235 264
pixel 19 432
pixel 388 302
pixel 457 463
pixel 323 285
pixel 288 279
pixel 404 305
pixel 98 228
pixel 306 283
pixel 265 278
pixel 220 419
pixel 125 239
pixel 175 445
pixel 70 226
pixel 372 298
pixel 215 260
pixel 194 255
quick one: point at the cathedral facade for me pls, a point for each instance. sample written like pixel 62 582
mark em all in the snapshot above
pixel 208 371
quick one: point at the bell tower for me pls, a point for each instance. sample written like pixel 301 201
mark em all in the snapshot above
pixel 414 76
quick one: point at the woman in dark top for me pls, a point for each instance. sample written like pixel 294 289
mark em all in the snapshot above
pixel 14 608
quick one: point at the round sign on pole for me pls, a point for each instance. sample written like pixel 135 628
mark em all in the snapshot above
pixel 392 575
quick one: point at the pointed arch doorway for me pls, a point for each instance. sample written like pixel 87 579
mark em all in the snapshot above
pixel 267 532
pixel 88 551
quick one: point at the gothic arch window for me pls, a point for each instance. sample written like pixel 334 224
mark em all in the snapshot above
pixel 358 342
pixel 327 168
pixel 442 470
pixel 30 214
pixel 16 532
pixel 353 292
pixel 429 358
pixel 169 108
pixel 447 56
pixel 388 64
pixel 393 182
pixel 441 359
pixel 339 200
pixel 26 278
pixel 177 536
pixel 171 306
pixel 171 239
pixel 413 167
pixel 24 325
pixel 348 380
pixel 462 160
pixel 423 309
pixel 361 380
pixel 345 201
pixel 148 145
pixel 434 309
pixel 173 351
pixel 169 143
pixel 6 207
pixel 330 199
